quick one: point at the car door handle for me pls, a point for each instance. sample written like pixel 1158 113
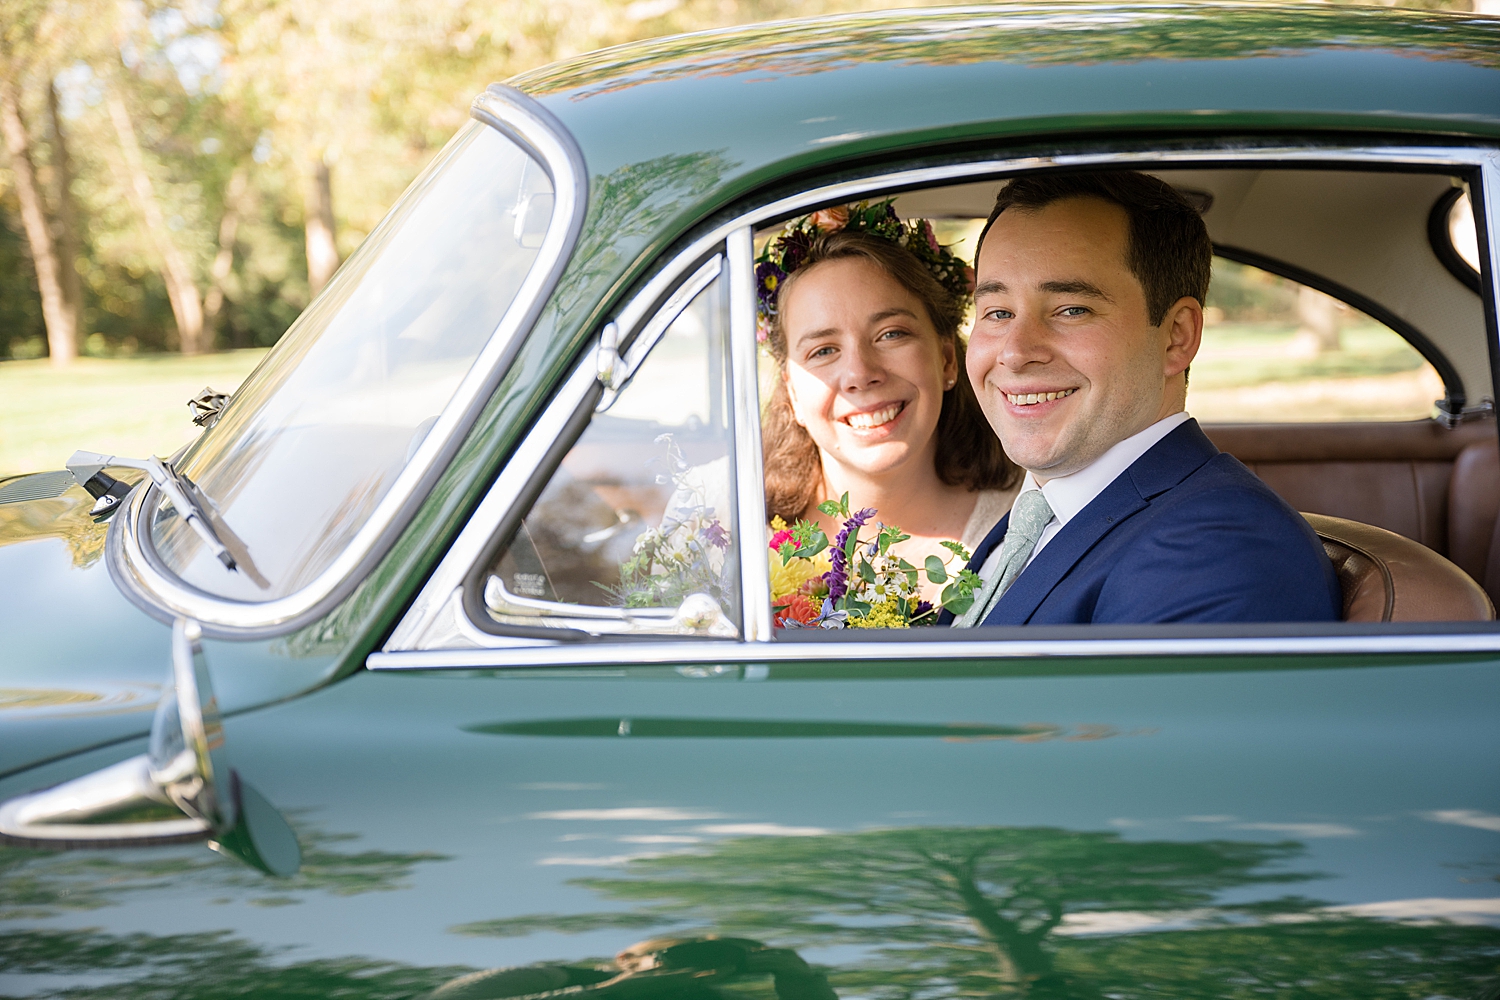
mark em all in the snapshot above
pixel 181 789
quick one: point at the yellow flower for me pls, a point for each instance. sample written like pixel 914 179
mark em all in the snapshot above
pixel 788 579
pixel 777 524
pixel 883 615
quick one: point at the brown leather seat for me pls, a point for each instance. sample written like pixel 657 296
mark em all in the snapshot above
pixel 1440 487
pixel 1389 578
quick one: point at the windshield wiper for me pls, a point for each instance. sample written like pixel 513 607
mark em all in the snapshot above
pixel 192 506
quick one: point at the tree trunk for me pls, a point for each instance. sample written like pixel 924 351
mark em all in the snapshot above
pixel 181 289
pixel 65 214
pixel 228 229
pixel 322 251
pixel 1321 321
pixel 62 335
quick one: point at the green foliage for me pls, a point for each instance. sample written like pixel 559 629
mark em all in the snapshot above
pixel 37 884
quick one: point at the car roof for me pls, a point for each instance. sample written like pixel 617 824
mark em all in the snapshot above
pixel 673 130
pixel 769 99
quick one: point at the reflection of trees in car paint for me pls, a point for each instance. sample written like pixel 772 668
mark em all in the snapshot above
pixel 932 913
pixel 210 964
pixel 39 884
pixel 673 968
pixel 1050 38
pixel 999 911
pixel 65 517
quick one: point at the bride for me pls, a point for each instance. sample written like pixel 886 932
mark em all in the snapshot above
pixel 861 314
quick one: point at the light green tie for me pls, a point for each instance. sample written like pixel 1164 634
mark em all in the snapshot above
pixel 1030 515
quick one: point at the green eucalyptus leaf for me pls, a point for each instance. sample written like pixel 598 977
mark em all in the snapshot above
pixel 936 571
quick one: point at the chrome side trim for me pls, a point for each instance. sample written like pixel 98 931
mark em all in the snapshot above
pixel 750 494
pixel 440 589
pixel 708 650
pixel 146 580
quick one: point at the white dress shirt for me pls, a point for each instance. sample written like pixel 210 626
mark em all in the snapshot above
pixel 1069 495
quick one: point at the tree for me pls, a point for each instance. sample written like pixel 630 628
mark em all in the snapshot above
pixel 20 22
pixel 182 289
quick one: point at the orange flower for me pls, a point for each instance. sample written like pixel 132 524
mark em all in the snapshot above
pixel 798 609
pixel 830 219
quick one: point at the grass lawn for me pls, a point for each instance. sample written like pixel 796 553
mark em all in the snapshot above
pixel 134 406
pixel 1260 372
pixel 138 406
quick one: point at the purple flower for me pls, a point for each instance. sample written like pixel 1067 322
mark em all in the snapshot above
pixel 768 278
pixel 837 578
pixel 923 607
pixel 715 535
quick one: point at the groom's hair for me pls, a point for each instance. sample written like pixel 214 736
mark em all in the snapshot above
pixel 1167 246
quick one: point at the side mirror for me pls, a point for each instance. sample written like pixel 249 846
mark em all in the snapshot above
pixel 182 789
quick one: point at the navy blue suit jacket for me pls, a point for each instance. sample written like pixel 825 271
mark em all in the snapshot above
pixel 1186 534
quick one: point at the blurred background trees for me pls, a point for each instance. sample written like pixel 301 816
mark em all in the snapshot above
pixel 183 175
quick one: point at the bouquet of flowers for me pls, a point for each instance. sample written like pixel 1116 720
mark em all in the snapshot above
pixel 685 554
pixel 858 583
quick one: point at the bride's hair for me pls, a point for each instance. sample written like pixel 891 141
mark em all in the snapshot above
pixel 968 452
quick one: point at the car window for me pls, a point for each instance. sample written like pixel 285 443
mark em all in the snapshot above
pixel 637 523
pixel 1276 351
pixel 317 437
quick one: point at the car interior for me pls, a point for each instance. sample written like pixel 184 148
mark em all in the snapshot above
pixel 1384 438
pixel 1383 243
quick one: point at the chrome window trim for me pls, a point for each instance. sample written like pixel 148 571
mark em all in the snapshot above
pixel 656 327
pixel 400 653
pixel 437 613
pixel 146 580
pixel 686 652
pixel 750 496
pixel 1489 236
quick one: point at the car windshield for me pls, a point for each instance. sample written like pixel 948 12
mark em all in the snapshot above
pixel 316 436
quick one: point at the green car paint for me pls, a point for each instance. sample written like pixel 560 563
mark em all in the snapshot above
pixel 1285 827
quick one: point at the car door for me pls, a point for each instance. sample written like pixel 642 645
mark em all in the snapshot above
pixel 537 789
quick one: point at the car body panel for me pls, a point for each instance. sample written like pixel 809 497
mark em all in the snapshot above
pixel 82 666
pixel 455 821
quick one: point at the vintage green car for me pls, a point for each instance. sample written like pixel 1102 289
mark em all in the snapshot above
pixel 367 637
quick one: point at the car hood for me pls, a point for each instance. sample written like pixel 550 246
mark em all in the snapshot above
pixel 81 666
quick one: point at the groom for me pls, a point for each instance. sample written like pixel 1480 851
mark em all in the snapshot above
pixel 1089 309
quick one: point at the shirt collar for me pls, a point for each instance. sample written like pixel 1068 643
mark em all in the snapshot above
pixel 1069 495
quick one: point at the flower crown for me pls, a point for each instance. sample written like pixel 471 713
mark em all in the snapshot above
pixel 788 251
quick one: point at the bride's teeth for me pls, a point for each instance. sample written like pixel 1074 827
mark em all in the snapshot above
pixel 864 421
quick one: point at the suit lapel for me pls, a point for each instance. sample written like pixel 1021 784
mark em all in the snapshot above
pixel 1118 501
pixel 1169 462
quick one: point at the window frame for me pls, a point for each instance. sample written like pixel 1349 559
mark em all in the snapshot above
pixel 641 341
pixel 145 579
pixel 439 612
